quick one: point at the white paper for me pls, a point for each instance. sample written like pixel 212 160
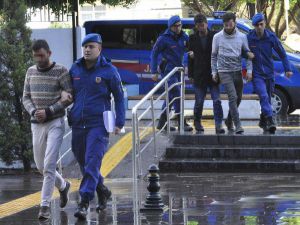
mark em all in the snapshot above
pixel 109 119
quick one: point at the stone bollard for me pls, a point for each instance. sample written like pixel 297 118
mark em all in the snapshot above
pixel 153 201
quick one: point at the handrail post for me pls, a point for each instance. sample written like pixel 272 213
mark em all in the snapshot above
pixel 167 106
pixel 153 127
pixel 182 102
pixel 134 166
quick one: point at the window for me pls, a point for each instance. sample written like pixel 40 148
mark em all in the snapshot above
pixel 150 33
pixel 216 27
pixel 118 36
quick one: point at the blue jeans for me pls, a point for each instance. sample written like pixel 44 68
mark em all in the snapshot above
pixel 200 94
pixel 89 146
pixel 264 89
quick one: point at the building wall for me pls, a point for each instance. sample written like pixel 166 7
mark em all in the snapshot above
pixel 60 42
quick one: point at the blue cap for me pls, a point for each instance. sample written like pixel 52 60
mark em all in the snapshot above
pixel 257 18
pixel 173 20
pixel 92 37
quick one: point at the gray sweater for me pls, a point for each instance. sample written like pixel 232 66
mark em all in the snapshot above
pixel 226 53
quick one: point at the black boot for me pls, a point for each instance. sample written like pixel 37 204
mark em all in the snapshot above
pixel 220 129
pixel 270 125
pixel 198 126
pixel 187 127
pixel 103 195
pixel 81 211
pixel 262 122
pixel 162 121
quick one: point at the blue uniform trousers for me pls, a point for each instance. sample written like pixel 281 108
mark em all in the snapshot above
pixel 89 146
pixel 173 93
pixel 264 88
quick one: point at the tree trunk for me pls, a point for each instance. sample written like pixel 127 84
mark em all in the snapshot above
pixel 270 15
pixel 283 25
pixel 261 5
pixel 251 9
pixel 25 160
pixel 278 19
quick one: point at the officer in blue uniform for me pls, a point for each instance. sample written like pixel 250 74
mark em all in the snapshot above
pixel 169 49
pixel 262 42
pixel 94 79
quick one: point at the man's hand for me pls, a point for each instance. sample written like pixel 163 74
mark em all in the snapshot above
pixel 249 77
pixel 191 54
pixel 118 130
pixel 155 77
pixel 250 55
pixel 40 115
pixel 66 98
pixel 215 78
pixel 288 74
pixel 191 80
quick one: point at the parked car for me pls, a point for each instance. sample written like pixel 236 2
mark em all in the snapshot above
pixel 128 43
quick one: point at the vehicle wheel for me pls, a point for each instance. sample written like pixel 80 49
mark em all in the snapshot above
pixel 279 103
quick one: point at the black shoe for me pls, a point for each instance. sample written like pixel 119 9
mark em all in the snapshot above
pixel 198 126
pixel 64 195
pixel 103 195
pixel 162 121
pixel 44 213
pixel 220 129
pixel 262 122
pixel 81 211
pixel 270 125
pixel 187 127
pixel 229 125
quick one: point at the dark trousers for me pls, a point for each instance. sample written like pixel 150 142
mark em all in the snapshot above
pixel 174 93
pixel 200 93
pixel 264 88
pixel 89 146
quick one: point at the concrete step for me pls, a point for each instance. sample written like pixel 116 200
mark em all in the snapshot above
pixel 179 165
pixel 233 152
pixel 252 140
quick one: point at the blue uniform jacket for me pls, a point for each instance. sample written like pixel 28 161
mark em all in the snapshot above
pixel 172 48
pixel 92 94
pixel 262 49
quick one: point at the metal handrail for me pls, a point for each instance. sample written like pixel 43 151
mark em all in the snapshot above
pixel 136 145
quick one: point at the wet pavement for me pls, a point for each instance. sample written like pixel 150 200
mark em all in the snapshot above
pixel 203 198
pixel 190 198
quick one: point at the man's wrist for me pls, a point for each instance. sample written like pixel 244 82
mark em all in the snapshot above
pixel 33 112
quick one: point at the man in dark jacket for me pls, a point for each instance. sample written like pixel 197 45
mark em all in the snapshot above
pixel 94 80
pixel 171 46
pixel 199 71
pixel 262 42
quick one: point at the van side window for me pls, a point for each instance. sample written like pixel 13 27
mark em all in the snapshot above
pixel 149 35
pixel 118 36
pixel 129 36
pixel 216 27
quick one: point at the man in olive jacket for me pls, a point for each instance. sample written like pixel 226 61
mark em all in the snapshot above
pixel 199 72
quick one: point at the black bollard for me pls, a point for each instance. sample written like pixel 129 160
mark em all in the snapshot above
pixel 153 201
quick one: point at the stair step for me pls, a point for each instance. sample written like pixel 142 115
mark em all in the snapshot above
pixel 236 140
pixel 179 165
pixel 234 152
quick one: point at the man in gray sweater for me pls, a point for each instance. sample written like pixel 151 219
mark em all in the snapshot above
pixel 47 92
pixel 226 66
